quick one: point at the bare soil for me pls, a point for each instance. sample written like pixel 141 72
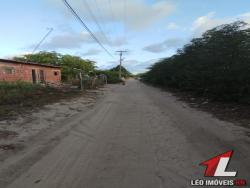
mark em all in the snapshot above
pixel 34 101
pixel 237 113
pixel 135 136
pixel 21 122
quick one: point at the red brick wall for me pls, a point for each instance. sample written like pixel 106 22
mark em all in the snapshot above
pixel 23 72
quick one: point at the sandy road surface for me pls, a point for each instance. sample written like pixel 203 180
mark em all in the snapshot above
pixel 137 137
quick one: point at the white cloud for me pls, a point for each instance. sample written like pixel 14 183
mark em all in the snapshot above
pixel 74 40
pixel 172 26
pixel 165 45
pixel 91 52
pixel 17 54
pixel 209 21
pixel 199 26
pixel 245 17
pixel 135 66
pixel 119 41
pixel 107 65
pixel 155 48
pixel 132 65
pixel 67 41
pixel 135 14
pixel 203 23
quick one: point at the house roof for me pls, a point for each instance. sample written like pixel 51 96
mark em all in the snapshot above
pixel 28 63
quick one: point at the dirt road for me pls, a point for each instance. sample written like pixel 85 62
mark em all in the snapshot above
pixel 136 137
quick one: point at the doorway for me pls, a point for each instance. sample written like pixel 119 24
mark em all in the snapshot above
pixel 33 76
pixel 42 77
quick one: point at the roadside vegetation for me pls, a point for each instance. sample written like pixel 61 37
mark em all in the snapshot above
pixel 215 66
pixel 71 65
pixel 16 92
pixel 113 74
pixel 18 97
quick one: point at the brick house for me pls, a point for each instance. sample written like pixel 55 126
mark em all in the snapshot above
pixel 11 70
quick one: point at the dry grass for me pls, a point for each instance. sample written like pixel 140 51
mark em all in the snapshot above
pixel 18 97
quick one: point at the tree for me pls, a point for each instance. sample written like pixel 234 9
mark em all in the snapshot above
pixel 52 58
pixel 124 71
pixel 216 65
pixel 71 65
pixel 113 74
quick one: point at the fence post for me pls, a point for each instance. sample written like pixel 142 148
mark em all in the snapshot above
pixel 80 74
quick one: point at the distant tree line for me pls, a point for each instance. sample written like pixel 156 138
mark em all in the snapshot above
pixel 113 74
pixel 216 65
pixel 71 65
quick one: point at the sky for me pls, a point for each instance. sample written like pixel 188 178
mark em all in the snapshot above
pixel 148 29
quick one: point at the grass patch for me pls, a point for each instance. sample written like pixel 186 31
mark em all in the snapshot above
pixel 17 92
pixel 20 97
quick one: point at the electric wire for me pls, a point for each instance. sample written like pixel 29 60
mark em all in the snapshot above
pixel 124 18
pixel 86 27
pixel 41 41
pixel 95 20
pixel 111 10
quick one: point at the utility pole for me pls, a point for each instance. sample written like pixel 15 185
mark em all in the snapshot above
pixel 120 67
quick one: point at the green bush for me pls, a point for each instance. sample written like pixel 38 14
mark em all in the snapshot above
pixel 15 92
pixel 217 65
pixel 71 65
pixel 112 76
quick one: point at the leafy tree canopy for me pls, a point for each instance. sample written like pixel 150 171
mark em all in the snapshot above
pixel 71 65
pixel 124 71
pixel 216 65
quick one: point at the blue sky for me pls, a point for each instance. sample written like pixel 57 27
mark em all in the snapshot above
pixel 149 29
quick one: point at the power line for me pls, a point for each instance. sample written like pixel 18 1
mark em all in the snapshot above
pixel 111 10
pixel 99 11
pixel 95 20
pixel 104 24
pixel 43 39
pixel 124 18
pixel 86 27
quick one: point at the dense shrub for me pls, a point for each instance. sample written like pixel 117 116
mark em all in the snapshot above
pixel 125 73
pixel 15 92
pixel 216 65
pixel 113 74
pixel 71 65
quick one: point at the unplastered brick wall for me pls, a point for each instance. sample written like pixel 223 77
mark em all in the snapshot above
pixel 23 72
